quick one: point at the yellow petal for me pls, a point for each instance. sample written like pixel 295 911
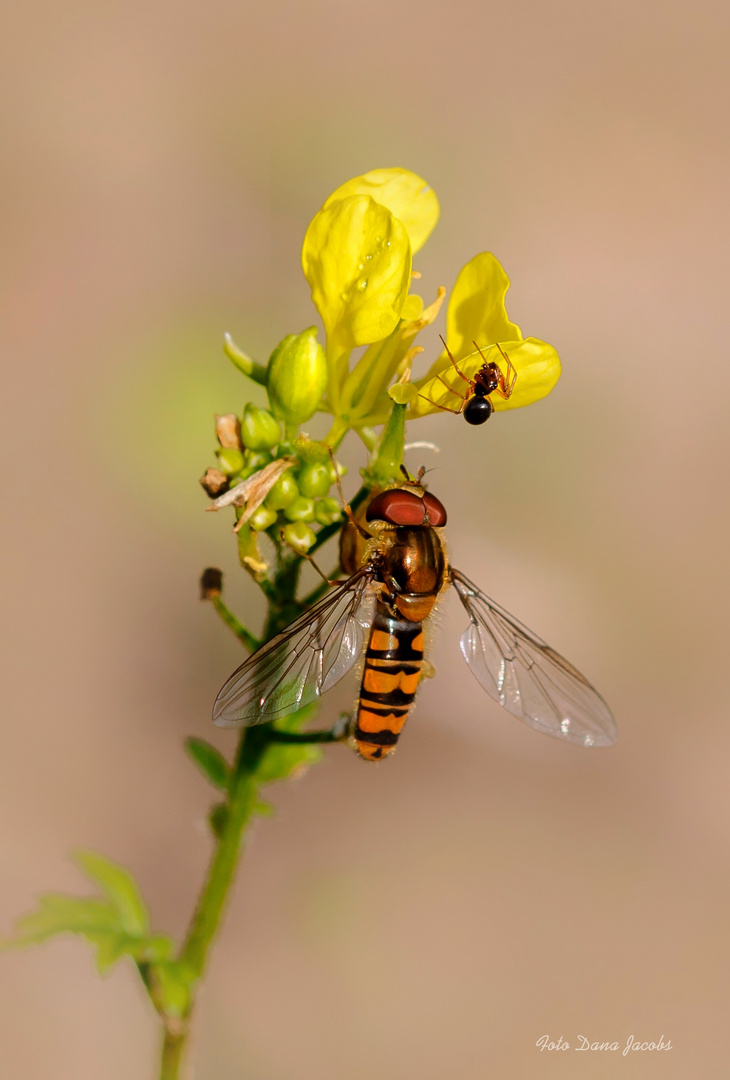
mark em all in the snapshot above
pixel 536 363
pixel 357 260
pixel 476 308
pixel 407 196
pixel 412 307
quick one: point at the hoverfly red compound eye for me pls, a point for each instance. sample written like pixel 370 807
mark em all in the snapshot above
pixel 436 510
pixel 402 507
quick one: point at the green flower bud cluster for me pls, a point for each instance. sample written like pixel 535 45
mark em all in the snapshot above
pixel 299 502
pixel 300 499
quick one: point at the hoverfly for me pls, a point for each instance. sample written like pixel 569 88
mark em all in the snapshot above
pixel 476 407
pixel 398 569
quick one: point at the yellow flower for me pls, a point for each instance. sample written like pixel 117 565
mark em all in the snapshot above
pixel 408 197
pixel 357 259
pixel 477 315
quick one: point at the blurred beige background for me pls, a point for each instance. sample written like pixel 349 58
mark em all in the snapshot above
pixel 433 917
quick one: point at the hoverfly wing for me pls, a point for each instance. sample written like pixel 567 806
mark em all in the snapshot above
pixel 528 678
pixel 302 662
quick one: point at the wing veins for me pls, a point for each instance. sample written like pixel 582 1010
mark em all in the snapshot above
pixel 546 691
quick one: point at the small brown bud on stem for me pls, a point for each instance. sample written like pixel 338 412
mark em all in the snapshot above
pixel 211 583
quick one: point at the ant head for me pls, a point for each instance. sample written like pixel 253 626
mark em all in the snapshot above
pixel 487 379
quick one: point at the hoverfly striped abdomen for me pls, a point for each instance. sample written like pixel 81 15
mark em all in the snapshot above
pixel 393 663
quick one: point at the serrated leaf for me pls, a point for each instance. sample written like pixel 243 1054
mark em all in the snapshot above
pixel 210 761
pixel 109 949
pixel 120 887
pixel 60 914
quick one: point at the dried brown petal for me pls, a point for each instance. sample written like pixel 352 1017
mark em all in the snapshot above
pixel 252 492
pixel 228 430
pixel 214 482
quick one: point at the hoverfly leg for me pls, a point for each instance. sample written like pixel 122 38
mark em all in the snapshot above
pixel 338 733
pixel 345 726
pixel 309 558
pixel 346 508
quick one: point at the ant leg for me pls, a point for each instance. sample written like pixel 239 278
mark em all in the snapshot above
pixel 346 508
pixel 506 382
pixel 451 358
pixel 451 389
pixel 457 412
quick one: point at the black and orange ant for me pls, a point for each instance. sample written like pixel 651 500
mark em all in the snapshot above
pixel 475 404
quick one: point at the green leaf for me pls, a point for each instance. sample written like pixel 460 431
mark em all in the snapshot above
pixel 59 914
pixel 116 925
pixel 112 947
pixel 143 950
pixel 284 759
pixel 210 761
pixel 120 887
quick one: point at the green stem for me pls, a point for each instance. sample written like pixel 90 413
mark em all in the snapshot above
pixel 244 635
pixel 368 436
pixel 242 794
pixel 240 806
pixel 241 802
pixel 336 433
pixel 172 1050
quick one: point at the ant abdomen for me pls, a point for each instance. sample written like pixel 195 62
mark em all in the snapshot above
pixel 478 410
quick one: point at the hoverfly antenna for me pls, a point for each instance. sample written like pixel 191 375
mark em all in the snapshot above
pixel 407 475
pixel 421 473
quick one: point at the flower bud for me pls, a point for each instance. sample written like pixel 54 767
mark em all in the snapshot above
pixel 315 479
pixel 256 459
pixel 297 377
pixel 327 511
pixel 263 519
pixel 283 493
pixel 299 536
pixel 259 429
pixel 302 509
pixel 230 460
